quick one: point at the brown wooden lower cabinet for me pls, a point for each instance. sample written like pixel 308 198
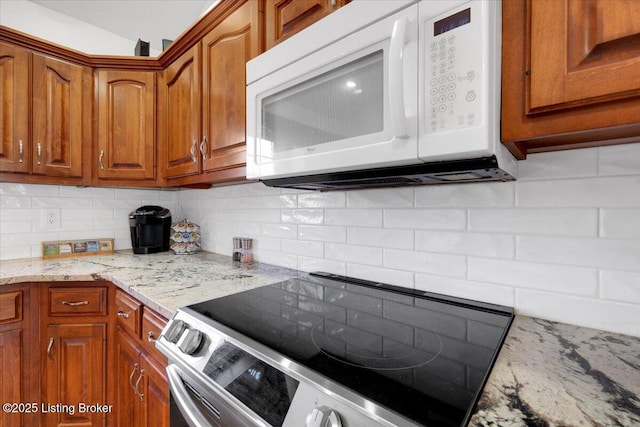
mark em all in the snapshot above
pixel 74 380
pixel 142 391
pixel 66 361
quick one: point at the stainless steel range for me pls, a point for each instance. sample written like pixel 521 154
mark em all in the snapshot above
pixel 325 350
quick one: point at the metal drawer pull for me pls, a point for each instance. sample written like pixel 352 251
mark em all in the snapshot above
pixel 100 160
pixel 135 368
pixel 75 304
pixel 123 314
pixel 49 350
pixel 150 337
pixel 39 151
pixel 193 151
pixel 140 395
pixel 203 148
pixel 20 151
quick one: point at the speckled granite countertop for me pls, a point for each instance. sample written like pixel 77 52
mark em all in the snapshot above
pixel 547 374
pixel 163 281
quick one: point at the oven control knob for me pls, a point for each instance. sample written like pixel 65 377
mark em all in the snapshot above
pixel 323 417
pixel 191 341
pixel 175 331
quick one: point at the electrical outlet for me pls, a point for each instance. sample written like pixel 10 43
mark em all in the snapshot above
pixel 50 218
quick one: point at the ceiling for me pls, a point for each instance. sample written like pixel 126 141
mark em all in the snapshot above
pixel 149 20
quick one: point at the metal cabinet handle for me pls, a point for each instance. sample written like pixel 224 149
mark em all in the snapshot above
pixel 140 395
pixel 39 153
pixel 122 314
pixel 135 368
pixel 49 350
pixel 203 148
pixel 75 303
pixel 100 160
pixel 193 150
pixel 150 337
pixel 20 152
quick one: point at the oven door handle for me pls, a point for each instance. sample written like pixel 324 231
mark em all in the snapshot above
pixel 192 414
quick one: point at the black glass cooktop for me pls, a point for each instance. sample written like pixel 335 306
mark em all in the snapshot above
pixel 425 356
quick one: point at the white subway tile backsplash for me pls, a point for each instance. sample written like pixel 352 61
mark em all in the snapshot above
pixel 276 201
pixel 424 262
pixel 540 221
pixel 57 202
pixel 482 291
pixel 620 223
pixel 293 246
pixel 16 189
pixel 380 237
pixel 558 278
pixel 598 253
pixel 287 231
pixel 599 314
pixel 322 200
pixel 620 159
pixel 478 244
pixel 560 164
pixel 381 198
pixel 355 254
pixel 322 233
pixel 621 286
pixel 426 219
pixel 615 192
pixel 15 202
pixel 302 216
pixel 493 194
pixel 381 274
pixel 87 192
pixel 321 264
pixel 354 217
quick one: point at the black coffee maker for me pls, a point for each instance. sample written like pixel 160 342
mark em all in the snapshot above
pixel 150 228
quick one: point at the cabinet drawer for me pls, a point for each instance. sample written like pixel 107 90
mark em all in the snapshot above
pixel 129 312
pixel 81 301
pixel 11 307
pixel 152 325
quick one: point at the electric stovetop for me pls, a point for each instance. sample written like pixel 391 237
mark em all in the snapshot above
pixel 424 356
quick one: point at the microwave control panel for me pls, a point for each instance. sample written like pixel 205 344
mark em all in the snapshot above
pixel 454 66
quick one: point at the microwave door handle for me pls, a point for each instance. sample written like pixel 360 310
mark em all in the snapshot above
pixel 396 87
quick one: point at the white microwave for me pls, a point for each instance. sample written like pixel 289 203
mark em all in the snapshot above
pixel 381 93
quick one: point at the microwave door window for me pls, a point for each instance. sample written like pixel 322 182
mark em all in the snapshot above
pixel 343 103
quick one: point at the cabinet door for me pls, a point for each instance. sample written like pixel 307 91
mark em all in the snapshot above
pixel 14 109
pixel 285 18
pixel 74 360
pixel 570 74
pixel 127 402
pixel 58 114
pixel 155 400
pixel 126 136
pixel 225 51
pixel 11 374
pixel 583 52
pixel 180 115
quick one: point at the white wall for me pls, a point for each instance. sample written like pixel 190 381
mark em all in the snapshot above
pixel 85 213
pixel 39 21
pixel 561 243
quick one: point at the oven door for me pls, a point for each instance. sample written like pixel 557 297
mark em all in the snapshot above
pixel 350 105
pixel 192 406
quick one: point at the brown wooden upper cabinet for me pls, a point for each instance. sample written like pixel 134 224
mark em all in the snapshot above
pixel 202 102
pixel 45 104
pixel 285 18
pixel 571 74
pixel 126 126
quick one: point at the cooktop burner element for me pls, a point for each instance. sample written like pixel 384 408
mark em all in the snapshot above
pixel 422 356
